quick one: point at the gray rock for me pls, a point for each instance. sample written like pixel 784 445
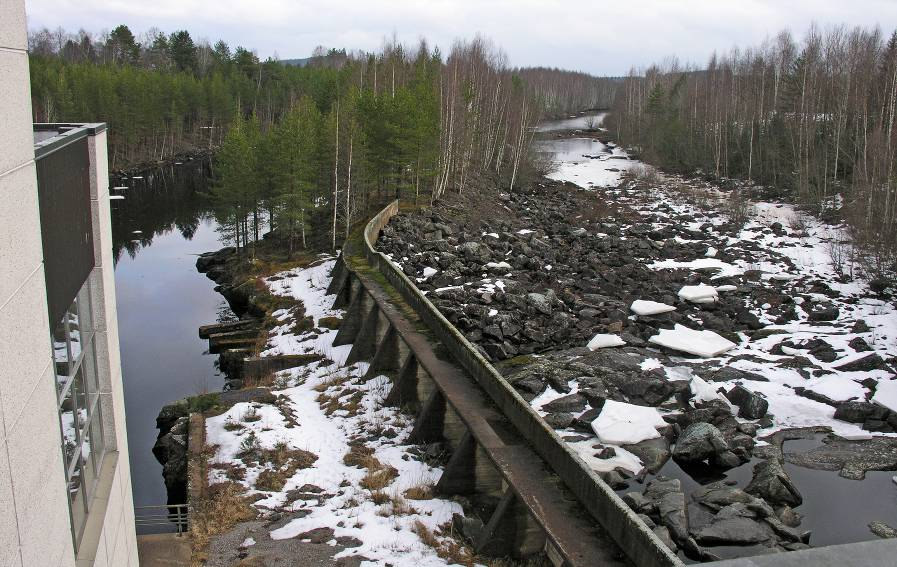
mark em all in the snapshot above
pixel 671 509
pixel 882 530
pixel 733 531
pixel 750 405
pixel 540 303
pixel 699 442
pixel 559 420
pixel 866 364
pixel 772 483
pixel 654 453
pixel 829 313
pixel 859 412
pixel 568 403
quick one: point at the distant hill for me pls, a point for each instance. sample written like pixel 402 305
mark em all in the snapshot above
pixel 296 62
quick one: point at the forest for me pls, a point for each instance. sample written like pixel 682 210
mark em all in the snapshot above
pixel 295 144
pixel 811 122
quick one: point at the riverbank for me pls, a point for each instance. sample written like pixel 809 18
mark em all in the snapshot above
pixel 643 266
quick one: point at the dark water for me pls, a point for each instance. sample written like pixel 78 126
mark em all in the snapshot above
pixel 162 300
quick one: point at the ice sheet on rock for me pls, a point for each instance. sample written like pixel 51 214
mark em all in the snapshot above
pixel 835 387
pixel 644 307
pixel 699 293
pixel 602 340
pixel 704 343
pixel 705 391
pixel 726 288
pixel 623 458
pixel 620 423
pixel 886 394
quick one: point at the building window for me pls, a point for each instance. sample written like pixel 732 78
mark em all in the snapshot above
pixel 80 413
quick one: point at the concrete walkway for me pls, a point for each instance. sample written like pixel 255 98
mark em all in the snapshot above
pixel 163 550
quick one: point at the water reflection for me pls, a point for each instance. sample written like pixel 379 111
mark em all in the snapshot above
pixel 160 227
pixel 159 201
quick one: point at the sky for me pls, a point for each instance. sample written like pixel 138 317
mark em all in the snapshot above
pixel 602 38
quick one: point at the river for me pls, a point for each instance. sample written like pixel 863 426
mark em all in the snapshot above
pixel 158 229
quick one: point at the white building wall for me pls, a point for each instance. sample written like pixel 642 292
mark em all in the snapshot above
pixel 35 528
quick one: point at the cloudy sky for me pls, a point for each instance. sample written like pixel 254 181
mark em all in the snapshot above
pixel 604 38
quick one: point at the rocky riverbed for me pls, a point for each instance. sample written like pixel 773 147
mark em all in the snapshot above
pixel 648 274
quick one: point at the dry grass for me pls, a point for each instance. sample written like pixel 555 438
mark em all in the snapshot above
pixel 420 492
pixel 446 547
pixel 259 381
pixel 357 455
pixel 396 506
pixel 250 415
pixel 231 425
pixel 331 323
pixel 379 476
pixel 379 497
pixel 222 507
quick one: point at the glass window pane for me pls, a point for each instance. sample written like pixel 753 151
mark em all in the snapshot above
pixel 77 502
pixel 73 417
pixel 72 320
pixel 61 355
pixel 98 446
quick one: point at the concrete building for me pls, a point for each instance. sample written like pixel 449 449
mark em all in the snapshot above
pixel 65 488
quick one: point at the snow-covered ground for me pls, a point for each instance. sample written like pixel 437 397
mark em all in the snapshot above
pixel 325 412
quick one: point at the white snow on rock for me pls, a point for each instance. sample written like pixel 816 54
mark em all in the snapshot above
pixel 699 293
pixel 428 271
pixel 248 542
pixel 886 394
pixel 726 288
pixel 704 343
pixel 644 307
pixel 604 341
pixel 499 265
pixel 725 269
pixel 620 423
pixel 835 387
pixel 711 252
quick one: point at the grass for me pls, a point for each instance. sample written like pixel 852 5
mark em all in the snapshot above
pixel 332 323
pixel 222 507
pixel 420 492
pixel 379 476
pixel 250 415
pixel 203 402
pixel 446 547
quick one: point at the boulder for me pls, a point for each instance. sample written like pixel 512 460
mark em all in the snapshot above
pixel 568 403
pixel 699 442
pixel 825 313
pixel 750 405
pixel 772 483
pixel 859 412
pixel 868 363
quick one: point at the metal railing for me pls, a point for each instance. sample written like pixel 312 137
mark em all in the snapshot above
pixel 174 516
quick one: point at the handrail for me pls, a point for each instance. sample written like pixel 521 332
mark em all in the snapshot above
pixel 623 524
pixel 176 514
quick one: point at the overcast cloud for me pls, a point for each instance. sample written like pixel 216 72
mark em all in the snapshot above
pixel 603 38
